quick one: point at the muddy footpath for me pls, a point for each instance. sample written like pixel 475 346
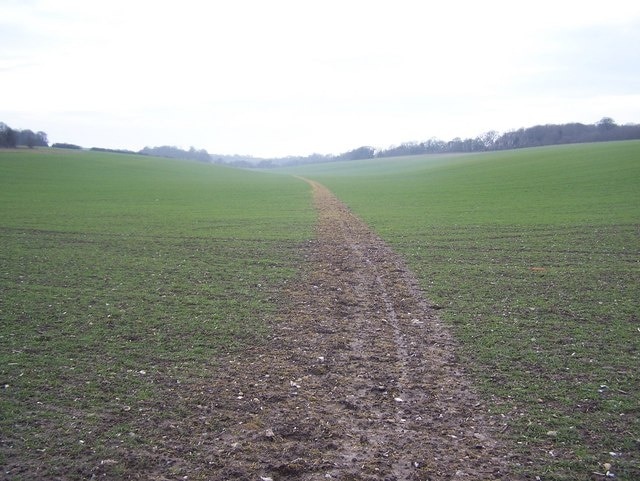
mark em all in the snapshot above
pixel 359 380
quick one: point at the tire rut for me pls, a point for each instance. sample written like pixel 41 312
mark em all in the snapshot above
pixel 359 381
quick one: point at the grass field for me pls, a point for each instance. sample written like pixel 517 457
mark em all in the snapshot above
pixel 121 279
pixel 534 257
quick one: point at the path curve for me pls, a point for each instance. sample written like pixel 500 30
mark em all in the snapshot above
pixel 360 379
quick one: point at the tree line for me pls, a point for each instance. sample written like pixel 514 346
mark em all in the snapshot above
pixel 201 155
pixel 11 138
pixel 539 135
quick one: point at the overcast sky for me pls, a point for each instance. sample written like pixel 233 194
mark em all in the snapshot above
pixel 293 77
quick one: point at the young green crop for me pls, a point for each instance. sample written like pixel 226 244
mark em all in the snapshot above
pixel 121 279
pixel 134 195
pixel 534 257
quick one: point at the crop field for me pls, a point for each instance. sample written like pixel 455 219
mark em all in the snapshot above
pixel 121 279
pixel 126 280
pixel 533 258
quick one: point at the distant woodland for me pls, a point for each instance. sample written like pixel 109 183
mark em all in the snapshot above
pixel 10 138
pixel 551 134
pixel 539 135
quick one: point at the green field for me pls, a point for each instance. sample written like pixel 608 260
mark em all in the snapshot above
pixel 534 257
pixel 121 279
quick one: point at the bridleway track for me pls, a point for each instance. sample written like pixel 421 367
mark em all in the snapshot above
pixel 359 380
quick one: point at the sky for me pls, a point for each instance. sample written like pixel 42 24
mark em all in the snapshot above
pixel 290 77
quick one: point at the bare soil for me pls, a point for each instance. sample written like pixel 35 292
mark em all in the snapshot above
pixel 358 382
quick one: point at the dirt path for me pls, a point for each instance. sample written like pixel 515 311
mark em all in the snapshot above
pixel 359 382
